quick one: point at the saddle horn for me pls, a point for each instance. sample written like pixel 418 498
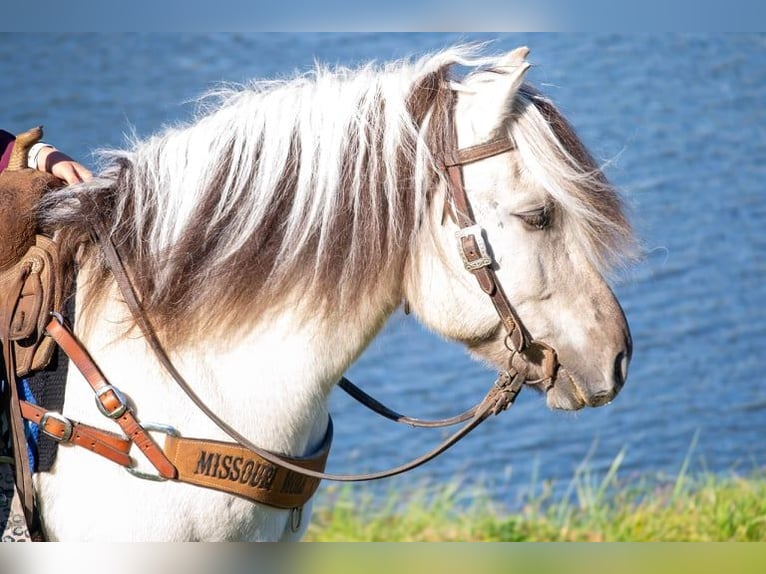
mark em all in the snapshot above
pixel 21 147
pixel 20 192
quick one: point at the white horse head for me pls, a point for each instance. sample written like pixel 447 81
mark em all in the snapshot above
pixel 271 238
pixel 554 225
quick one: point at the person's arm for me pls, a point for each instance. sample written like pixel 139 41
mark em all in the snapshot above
pixel 45 157
pixel 56 162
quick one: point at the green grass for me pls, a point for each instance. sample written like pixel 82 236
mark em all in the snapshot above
pixel 701 508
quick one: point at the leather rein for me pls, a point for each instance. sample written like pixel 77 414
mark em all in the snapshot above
pixel 529 361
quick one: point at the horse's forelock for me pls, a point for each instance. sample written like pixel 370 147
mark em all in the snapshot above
pixel 560 161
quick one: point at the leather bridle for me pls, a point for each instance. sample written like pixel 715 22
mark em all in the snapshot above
pixel 529 360
pixel 538 360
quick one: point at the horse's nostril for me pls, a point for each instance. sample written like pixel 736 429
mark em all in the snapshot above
pixel 620 369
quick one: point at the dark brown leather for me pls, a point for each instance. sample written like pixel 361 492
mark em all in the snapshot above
pixel 384 411
pixel 500 396
pixel 531 361
pixel 190 459
pixel 10 405
pixel 497 394
pixel 540 361
pixel 481 151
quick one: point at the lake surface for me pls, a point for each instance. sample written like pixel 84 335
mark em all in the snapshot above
pixel 681 122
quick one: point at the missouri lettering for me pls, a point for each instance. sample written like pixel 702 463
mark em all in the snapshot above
pixel 293 483
pixel 236 469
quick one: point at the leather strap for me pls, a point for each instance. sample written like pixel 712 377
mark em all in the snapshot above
pixel 23 472
pixel 231 468
pixel 219 465
pixel 535 359
pixel 108 398
pixel 471 245
pixel 478 152
pixel 500 396
pixel 381 409
pixel 245 469
pixel 64 430
pixel 497 395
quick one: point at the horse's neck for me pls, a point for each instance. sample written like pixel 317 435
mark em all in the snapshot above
pixel 270 383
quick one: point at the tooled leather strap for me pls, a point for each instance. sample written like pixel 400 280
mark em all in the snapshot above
pixel 64 430
pixel 219 465
pixel 232 468
pixel 109 400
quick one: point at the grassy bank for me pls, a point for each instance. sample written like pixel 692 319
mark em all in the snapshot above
pixel 705 508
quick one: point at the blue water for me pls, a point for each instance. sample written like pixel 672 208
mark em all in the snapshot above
pixel 680 122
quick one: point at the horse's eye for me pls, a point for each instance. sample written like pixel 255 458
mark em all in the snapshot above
pixel 537 218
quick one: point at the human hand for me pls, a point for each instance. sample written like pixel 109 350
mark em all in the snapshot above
pixel 55 162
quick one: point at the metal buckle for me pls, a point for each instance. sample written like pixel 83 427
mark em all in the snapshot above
pixel 118 411
pixel 484 259
pixel 296 517
pixel 65 422
pixel 153 427
pixel 508 385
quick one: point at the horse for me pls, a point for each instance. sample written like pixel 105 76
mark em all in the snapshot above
pixel 270 237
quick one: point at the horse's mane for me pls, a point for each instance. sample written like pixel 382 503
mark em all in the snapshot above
pixel 314 185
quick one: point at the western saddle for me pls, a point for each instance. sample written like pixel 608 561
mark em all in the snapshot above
pixel 30 290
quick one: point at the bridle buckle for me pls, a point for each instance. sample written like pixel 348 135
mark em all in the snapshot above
pixel 473 248
pixel 66 426
pixel 111 402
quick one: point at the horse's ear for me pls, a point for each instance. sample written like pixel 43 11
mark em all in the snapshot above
pixel 497 89
pixel 514 65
